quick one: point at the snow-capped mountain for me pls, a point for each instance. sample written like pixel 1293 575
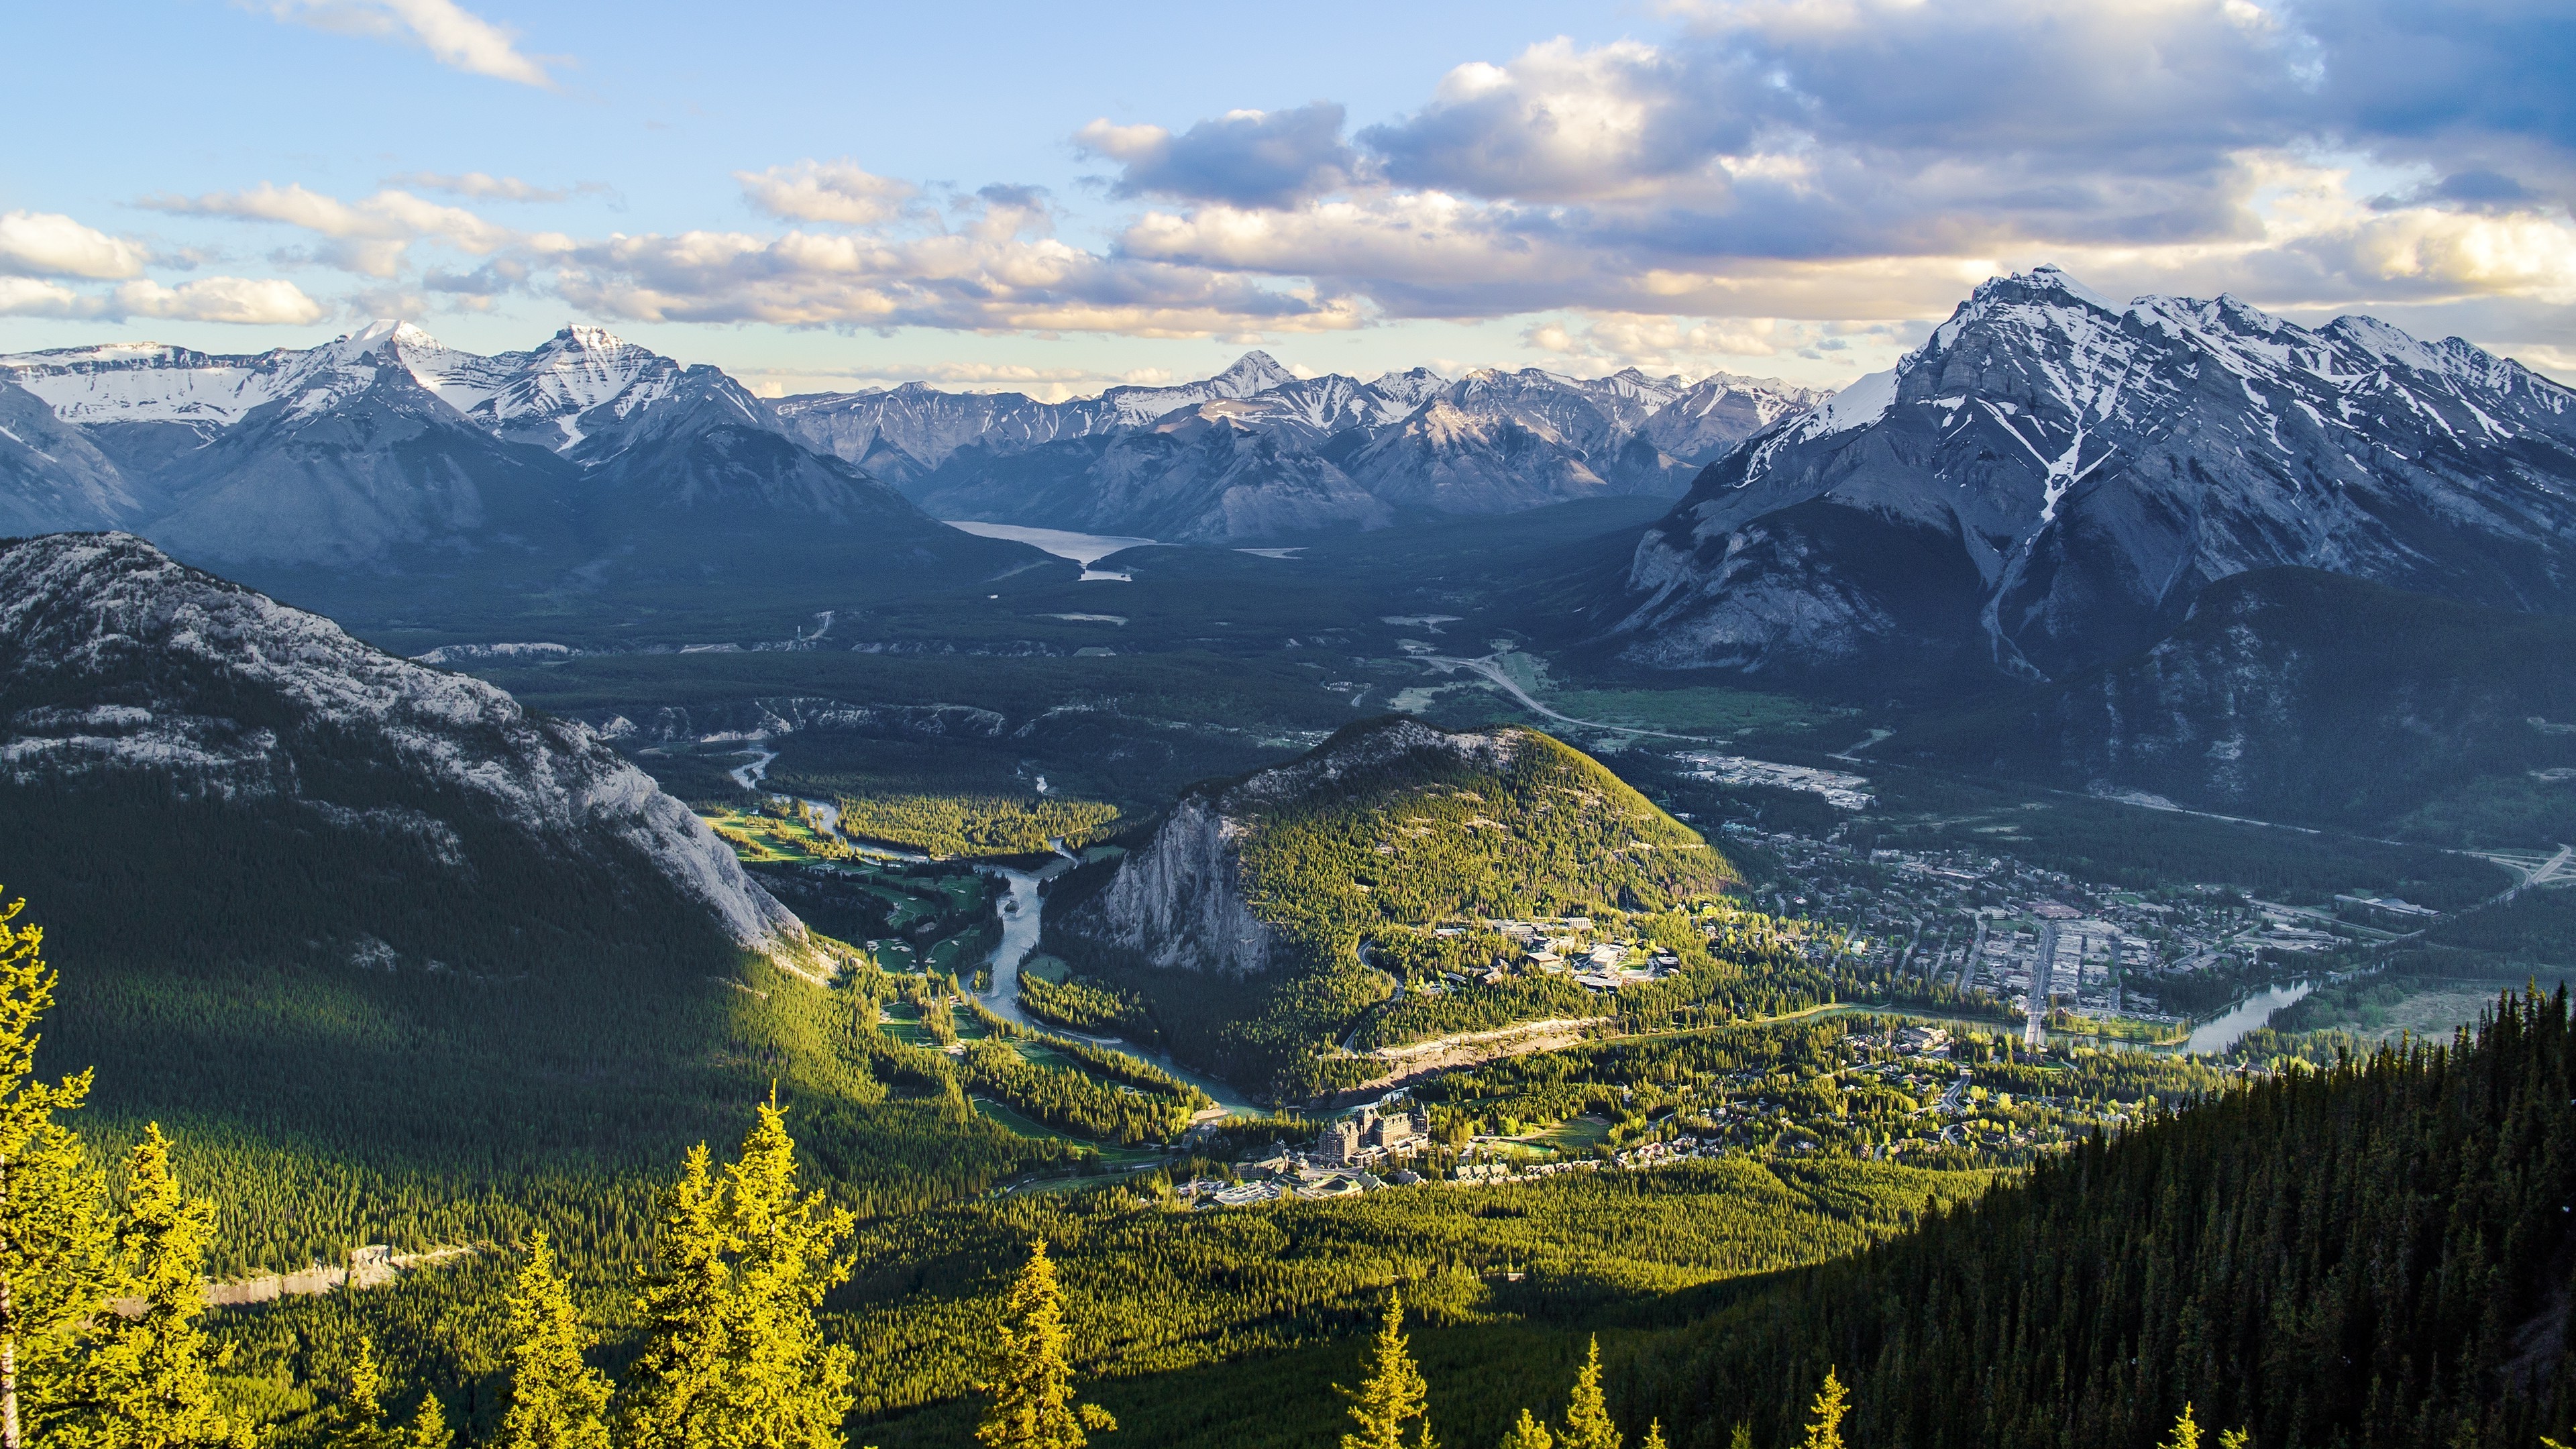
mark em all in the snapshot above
pixel 1488 442
pixel 2051 478
pixel 135 684
pixel 386 451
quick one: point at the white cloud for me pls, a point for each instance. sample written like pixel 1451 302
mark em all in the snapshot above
pixel 454 36
pixel 47 244
pixel 482 187
pixel 262 302
pixel 971 280
pixel 834 191
pixel 266 302
pixel 372 237
pixel 28 297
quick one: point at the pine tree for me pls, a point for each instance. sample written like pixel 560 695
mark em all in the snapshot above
pixel 673 1383
pixel 1587 1418
pixel 55 1237
pixel 1827 1430
pixel 1529 1433
pixel 1654 1435
pixel 734 1356
pixel 147 1378
pixel 429 1427
pixel 2186 1432
pixel 1393 1392
pixel 1742 1438
pixel 359 1423
pixel 556 1400
pixel 2235 1439
pixel 1032 1384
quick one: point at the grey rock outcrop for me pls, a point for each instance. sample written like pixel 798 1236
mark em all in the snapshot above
pixel 118 663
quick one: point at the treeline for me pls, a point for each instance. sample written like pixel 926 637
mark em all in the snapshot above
pixel 1082 1004
pixel 2352 1256
pixel 975 824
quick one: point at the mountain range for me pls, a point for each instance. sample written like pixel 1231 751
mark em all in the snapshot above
pixel 2051 479
pixel 384 457
pixel 587 462
pixel 1258 452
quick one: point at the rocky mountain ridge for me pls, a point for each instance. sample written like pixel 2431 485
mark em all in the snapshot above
pixel 2052 477
pixel 581 462
pixel 1260 452
pixel 123 670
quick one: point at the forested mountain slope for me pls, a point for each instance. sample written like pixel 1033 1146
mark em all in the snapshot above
pixel 1266 913
pixel 2376 1256
pixel 396 956
pixel 2295 694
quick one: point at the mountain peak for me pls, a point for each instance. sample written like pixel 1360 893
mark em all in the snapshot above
pixel 579 337
pixel 1253 372
pixel 385 330
pixel 2044 278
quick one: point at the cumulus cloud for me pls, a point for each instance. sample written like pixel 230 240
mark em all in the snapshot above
pixel 47 244
pixel 267 302
pixel 1242 158
pixel 372 237
pixel 454 36
pixel 961 280
pixel 1850 162
pixel 829 191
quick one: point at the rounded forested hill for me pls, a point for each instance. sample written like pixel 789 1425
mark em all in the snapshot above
pixel 1399 823
pixel 1266 914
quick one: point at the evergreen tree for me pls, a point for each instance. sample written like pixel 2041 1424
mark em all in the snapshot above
pixel 1393 1392
pixel 359 1422
pixel 2235 1439
pixel 673 1382
pixel 2186 1432
pixel 1032 1383
pixel 734 1356
pixel 55 1238
pixel 1654 1435
pixel 1742 1438
pixel 556 1400
pixel 1529 1433
pixel 147 1377
pixel 1587 1418
pixel 1826 1432
pixel 429 1427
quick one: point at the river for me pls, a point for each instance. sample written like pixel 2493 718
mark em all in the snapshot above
pixel 1022 907
pixel 2223 1031
pixel 1085 549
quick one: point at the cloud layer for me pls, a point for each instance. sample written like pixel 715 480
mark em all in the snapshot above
pixel 1807 176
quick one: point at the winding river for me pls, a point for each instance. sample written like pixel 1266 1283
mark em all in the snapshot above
pixel 1021 909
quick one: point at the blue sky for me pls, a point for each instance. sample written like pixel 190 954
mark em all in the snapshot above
pixel 1056 198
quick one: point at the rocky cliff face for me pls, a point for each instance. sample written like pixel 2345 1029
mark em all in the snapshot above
pixel 2051 479
pixel 1183 900
pixel 122 670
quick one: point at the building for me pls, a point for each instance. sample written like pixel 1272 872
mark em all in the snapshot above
pixel 1369 1134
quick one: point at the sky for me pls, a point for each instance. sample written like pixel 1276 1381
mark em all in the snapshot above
pixel 1055 198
